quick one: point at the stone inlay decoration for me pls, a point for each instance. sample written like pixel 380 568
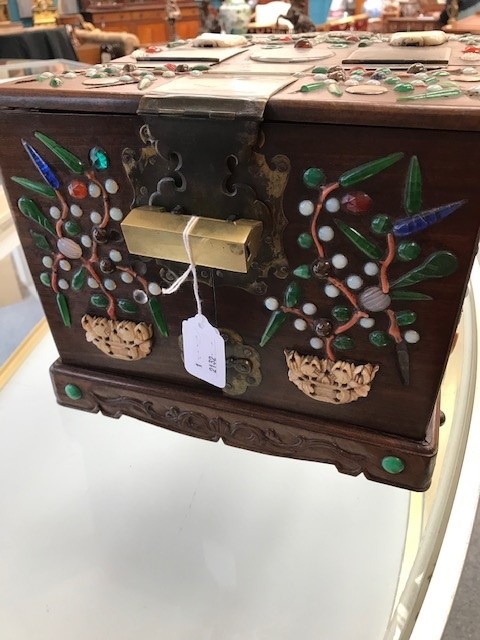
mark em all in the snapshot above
pixel 373 300
pixel 79 252
pixel 336 382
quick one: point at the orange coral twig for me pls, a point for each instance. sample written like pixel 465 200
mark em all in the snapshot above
pixel 325 191
pixel 111 300
pixel 298 313
pixel 346 292
pixel 60 221
pixel 384 283
pixel 328 348
pixel 135 275
pixel 106 212
pixel 393 328
pixel 351 323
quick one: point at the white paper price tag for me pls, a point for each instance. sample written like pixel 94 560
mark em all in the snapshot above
pixel 204 351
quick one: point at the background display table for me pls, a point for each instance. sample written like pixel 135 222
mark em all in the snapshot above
pixel 118 529
pixel 471 24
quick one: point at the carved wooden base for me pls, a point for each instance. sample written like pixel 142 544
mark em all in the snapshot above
pixel 394 460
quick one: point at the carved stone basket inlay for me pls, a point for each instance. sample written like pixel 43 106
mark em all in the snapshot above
pixel 335 382
pixel 122 339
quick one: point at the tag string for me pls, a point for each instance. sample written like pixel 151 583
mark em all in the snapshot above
pixel 191 268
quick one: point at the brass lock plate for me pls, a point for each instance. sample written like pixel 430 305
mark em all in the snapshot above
pixel 220 244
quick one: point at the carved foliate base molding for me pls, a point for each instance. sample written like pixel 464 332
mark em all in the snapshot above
pixel 383 458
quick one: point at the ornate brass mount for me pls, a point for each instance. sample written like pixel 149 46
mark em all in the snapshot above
pixel 243 363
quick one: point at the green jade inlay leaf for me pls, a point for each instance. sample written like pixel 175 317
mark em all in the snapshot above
pixel 79 278
pixel 393 465
pixel 314 86
pixel 158 316
pixel 413 188
pixel 407 251
pixel 369 169
pixel 99 300
pixel 438 265
pixel 341 313
pixel 432 95
pixel 73 392
pixel 291 297
pixel 368 248
pixel 128 306
pixel 302 271
pixel 405 317
pixel 305 241
pixel 62 304
pixel 381 224
pixel 276 321
pixel 69 159
pixel 409 295
pixel 32 211
pixel 343 343
pixel 314 177
pixel 36 187
pixel 40 241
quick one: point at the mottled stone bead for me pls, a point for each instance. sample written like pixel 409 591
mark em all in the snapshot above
pixel 322 327
pixel 106 265
pixel 321 268
pixel 100 235
pixel 417 67
pixel 339 76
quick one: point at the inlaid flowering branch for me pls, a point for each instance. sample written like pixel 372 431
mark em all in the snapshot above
pixel 365 300
pixel 64 242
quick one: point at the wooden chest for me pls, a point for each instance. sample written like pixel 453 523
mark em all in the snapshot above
pixel 340 227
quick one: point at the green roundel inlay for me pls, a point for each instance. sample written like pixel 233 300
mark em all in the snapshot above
pixel 407 251
pixel 381 224
pixel 72 228
pixel 313 177
pixel 341 313
pixel 73 392
pixel 305 240
pixel 393 465
pixel 343 343
pixel 379 338
pixel 405 318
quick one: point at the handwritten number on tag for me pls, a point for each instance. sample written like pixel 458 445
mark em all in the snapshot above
pixel 204 351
